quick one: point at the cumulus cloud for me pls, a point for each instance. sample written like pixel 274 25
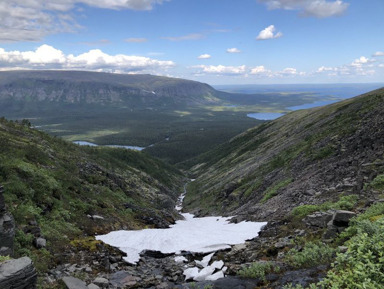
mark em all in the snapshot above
pixel 233 50
pixel 315 8
pixel 48 57
pixel 222 69
pixel 204 56
pixel 31 20
pixel 269 33
pixel 258 70
pixel 359 62
pixel 193 36
pixel 361 66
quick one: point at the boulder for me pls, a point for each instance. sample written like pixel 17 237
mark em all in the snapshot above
pixel 318 219
pixel 7 228
pixel 341 218
pixel 40 243
pixel 93 286
pixel 124 279
pixel 101 282
pixel 74 283
pixel 18 274
pixel 340 221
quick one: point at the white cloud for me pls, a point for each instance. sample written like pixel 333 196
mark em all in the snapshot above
pixel 31 20
pixel 258 70
pixel 289 71
pixel 222 70
pixel 233 50
pixel 48 57
pixel 204 56
pixel 361 66
pixel 359 62
pixel 378 53
pixel 316 8
pixel 193 36
pixel 269 33
pixel 324 69
pixel 136 40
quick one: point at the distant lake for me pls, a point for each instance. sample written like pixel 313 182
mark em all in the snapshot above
pixel 86 143
pixel 265 115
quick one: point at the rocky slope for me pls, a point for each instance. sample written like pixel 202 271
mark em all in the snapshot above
pixel 305 157
pixel 317 177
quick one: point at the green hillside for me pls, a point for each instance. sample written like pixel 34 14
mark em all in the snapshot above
pixel 59 187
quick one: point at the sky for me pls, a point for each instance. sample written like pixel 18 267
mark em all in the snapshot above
pixel 212 41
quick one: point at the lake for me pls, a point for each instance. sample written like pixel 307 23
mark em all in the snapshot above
pixel 265 115
pixel 86 143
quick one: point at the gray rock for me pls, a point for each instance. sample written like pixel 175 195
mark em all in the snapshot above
pixel 7 232
pixel 74 283
pixel 93 286
pixel 318 219
pixel 40 243
pixel 341 218
pixel 101 282
pixel 123 279
pixel 18 274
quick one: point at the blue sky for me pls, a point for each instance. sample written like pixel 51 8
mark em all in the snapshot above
pixel 213 41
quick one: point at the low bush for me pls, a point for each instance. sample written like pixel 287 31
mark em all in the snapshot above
pixel 312 254
pixel 362 266
pixel 344 203
pixel 258 270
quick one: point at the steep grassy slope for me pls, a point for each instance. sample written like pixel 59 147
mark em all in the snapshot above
pixel 306 157
pixel 58 187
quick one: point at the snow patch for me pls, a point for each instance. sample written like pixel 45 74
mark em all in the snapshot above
pixel 199 235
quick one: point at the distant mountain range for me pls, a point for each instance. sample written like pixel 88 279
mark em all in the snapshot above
pixel 79 87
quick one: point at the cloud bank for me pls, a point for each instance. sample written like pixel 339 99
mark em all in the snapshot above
pixel 48 57
pixel 311 8
pixel 31 20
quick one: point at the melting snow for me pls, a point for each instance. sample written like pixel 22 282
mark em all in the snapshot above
pixel 199 235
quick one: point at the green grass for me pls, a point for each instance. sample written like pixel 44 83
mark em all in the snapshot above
pixel 344 203
pixel 273 190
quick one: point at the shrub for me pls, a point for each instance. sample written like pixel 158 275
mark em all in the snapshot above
pixel 362 266
pixel 378 183
pixel 258 270
pixel 344 203
pixel 4 258
pixel 312 254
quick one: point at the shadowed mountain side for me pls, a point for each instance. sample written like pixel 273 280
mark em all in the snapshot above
pixel 102 88
pixel 306 157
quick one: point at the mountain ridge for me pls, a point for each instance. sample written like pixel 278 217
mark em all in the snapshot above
pixel 101 88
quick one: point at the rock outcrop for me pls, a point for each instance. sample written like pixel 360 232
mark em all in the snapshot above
pixel 15 273
pixel 18 274
pixel 7 228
